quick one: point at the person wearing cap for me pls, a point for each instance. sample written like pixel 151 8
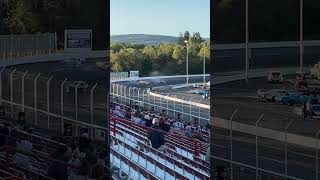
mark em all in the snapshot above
pixel 156 137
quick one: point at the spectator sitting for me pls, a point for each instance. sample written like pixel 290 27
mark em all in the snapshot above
pixel 84 143
pixel 4 133
pixel 75 161
pixel 97 172
pixel 188 132
pixel 138 120
pixel 56 170
pixel 148 120
pixel 118 112
pixel 197 134
pixel 156 137
pixel 22 160
pixel 164 126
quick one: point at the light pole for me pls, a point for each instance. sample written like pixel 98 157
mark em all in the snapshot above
pixel 187 64
pixel 204 64
pixel 247 40
pixel 301 36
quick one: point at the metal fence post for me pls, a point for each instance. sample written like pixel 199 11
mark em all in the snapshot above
pixel 257 155
pixel 121 92
pixel 138 96
pixel 1 84
pixel 61 104
pixel 76 105
pixel 154 103
pixel 11 91
pixel 48 100
pixel 117 90
pixel 182 104
pixel 32 39
pixel 113 89
pixel 35 99
pixel 286 149
pixel 317 156
pixel 49 39
pixel 143 97
pixel 231 143
pixel 160 102
pixel 11 47
pixel 129 94
pixel 125 94
pixel 190 119
pixel 91 106
pixel 167 104
pixel 174 107
pixel 22 84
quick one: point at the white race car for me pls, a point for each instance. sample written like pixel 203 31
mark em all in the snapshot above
pixel 82 85
pixel 275 95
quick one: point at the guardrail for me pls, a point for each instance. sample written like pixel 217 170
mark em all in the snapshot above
pixel 159 77
pixel 55 57
pixel 257 45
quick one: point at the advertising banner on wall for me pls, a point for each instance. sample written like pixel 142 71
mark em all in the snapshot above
pixel 77 39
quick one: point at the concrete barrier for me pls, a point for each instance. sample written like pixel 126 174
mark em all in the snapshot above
pixel 261 45
pixel 300 140
pixel 180 100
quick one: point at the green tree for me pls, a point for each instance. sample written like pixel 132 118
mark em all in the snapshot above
pixel 179 54
pixel 181 39
pixel 116 47
pixel 186 35
pixel 19 18
pixel 204 51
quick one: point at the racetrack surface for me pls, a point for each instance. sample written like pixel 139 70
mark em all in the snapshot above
pixel 87 72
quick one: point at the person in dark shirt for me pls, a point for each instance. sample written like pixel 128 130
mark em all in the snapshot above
pixel 156 138
pixel 58 171
pixel 84 143
pixel 4 133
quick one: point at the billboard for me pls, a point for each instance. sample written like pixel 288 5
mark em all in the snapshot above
pixel 134 75
pixel 77 39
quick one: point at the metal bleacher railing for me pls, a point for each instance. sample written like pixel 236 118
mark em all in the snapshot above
pixel 184 158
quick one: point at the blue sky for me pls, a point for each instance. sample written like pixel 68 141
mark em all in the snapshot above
pixel 161 17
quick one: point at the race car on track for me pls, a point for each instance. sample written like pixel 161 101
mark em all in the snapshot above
pixel 315 111
pixel 199 92
pixel 152 81
pixel 82 85
pixel 274 95
pixel 295 98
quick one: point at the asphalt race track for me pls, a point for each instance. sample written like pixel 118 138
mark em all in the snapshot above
pixel 87 72
pixel 242 96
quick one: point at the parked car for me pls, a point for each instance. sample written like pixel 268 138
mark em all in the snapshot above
pixel 275 76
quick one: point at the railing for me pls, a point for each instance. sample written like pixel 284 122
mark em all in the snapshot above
pixel 188 108
pixel 12 46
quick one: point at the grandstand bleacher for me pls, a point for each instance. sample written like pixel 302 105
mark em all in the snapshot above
pixel 132 157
